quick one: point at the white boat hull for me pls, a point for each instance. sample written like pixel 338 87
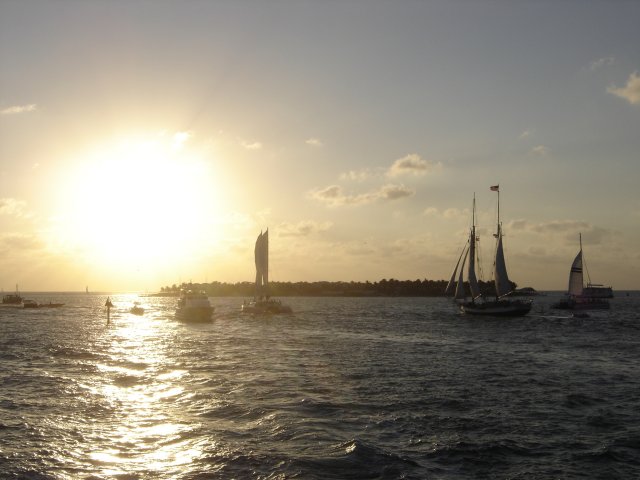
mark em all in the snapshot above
pixel 194 307
pixel 194 314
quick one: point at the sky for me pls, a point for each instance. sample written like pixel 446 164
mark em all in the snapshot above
pixel 147 143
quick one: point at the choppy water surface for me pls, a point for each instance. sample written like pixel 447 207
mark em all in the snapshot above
pixel 343 388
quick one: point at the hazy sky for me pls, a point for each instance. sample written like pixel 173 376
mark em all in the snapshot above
pixel 145 143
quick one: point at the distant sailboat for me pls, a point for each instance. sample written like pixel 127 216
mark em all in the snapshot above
pixel 477 304
pixel 579 297
pixel 262 301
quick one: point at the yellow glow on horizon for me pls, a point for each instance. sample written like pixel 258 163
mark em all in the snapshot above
pixel 146 202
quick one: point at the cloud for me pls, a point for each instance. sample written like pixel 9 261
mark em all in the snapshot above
pixel 430 211
pixel 412 164
pixel 333 195
pixel 314 142
pixel 179 139
pixel 456 213
pixel 17 109
pixel 567 229
pixel 359 175
pixel 395 192
pixel 601 62
pixel 631 91
pixel 12 207
pixel 303 228
pixel 17 242
pixel 540 151
pixel 252 146
pixel 525 134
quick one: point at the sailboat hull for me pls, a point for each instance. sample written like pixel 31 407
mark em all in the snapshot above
pixel 500 308
pixel 264 307
pixel 582 303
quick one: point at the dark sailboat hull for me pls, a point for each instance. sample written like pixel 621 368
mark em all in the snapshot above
pixel 500 308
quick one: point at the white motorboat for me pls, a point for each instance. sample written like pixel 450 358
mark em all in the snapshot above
pixel 194 307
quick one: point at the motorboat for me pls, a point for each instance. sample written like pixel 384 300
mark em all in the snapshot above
pixel 194 307
pixel 137 309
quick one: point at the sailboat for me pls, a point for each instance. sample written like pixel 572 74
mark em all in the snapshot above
pixel 478 304
pixel 469 251
pixel 579 297
pixel 262 301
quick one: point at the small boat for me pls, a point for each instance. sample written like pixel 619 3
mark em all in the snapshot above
pixel 12 299
pixel 579 297
pixel 502 305
pixel 29 304
pixel 194 307
pixel 33 304
pixel 137 309
pixel 262 303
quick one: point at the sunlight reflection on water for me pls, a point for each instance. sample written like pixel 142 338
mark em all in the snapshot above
pixel 135 380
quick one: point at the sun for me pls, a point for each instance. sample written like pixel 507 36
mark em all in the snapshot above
pixel 140 202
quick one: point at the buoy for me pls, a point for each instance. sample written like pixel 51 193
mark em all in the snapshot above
pixel 108 304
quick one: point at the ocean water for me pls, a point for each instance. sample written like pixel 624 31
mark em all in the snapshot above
pixel 344 388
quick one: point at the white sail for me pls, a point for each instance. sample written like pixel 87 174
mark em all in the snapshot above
pixel 575 276
pixel 473 281
pixel 265 263
pixel 257 251
pixel 460 295
pixel 261 253
pixel 503 285
pixel 452 281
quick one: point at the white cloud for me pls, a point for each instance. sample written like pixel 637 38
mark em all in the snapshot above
pixel 540 150
pixel 12 207
pixel 16 109
pixel 455 213
pixel 525 134
pixel 17 242
pixel 359 175
pixel 601 62
pixel 303 228
pixel 566 229
pixel 314 142
pixel 179 139
pixel 252 146
pixel 430 211
pixel 412 164
pixel 333 195
pixel 395 192
pixel 631 91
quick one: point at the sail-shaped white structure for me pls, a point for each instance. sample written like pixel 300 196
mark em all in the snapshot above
pixel 261 254
pixel 576 281
pixel 469 251
pixel 503 285
pixel 577 296
pixel 262 303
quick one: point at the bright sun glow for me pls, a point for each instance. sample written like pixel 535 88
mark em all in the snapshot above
pixel 141 202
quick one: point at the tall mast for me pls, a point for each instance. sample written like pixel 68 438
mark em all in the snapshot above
pixel 498 207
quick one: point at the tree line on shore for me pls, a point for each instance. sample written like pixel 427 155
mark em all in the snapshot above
pixel 383 288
